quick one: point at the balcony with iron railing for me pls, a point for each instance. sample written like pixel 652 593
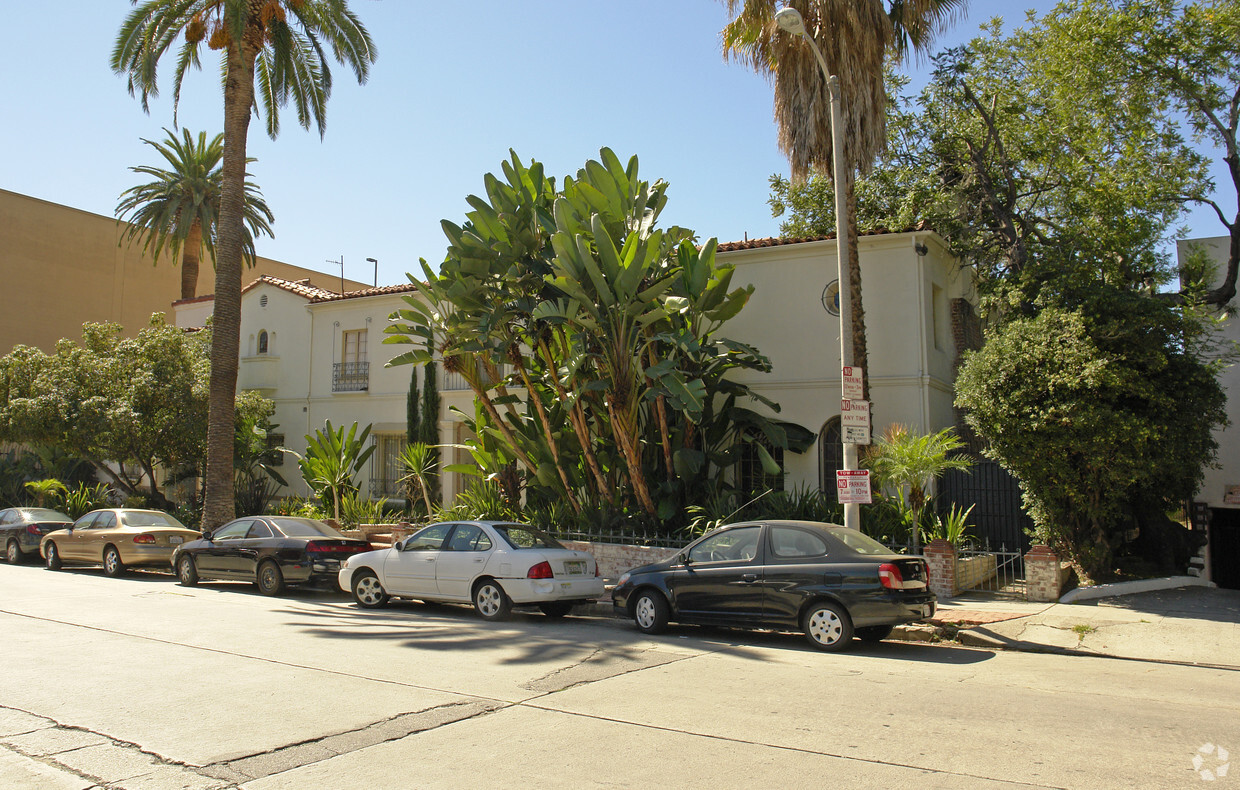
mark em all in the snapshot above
pixel 351 377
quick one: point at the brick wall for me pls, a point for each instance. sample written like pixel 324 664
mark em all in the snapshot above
pixel 1043 580
pixel 941 557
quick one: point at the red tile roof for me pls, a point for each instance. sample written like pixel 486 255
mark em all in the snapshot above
pixel 753 244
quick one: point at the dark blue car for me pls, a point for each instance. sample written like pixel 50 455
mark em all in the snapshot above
pixel 21 529
pixel 828 581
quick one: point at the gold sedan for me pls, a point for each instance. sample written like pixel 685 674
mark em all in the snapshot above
pixel 116 538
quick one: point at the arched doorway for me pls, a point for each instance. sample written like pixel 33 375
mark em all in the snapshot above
pixel 830 457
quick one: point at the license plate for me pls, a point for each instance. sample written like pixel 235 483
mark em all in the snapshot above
pixel 575 567
pixel 175 539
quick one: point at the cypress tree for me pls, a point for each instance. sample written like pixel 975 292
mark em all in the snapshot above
pixel 412 428
pixel 428 429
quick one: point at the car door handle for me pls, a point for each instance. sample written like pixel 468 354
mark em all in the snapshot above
pixel 748 578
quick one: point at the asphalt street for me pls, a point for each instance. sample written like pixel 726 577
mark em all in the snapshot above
pixel 140 683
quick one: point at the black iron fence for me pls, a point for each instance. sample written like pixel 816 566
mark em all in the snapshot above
pixel 998 515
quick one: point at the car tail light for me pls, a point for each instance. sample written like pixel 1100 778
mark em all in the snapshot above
pixel 890 577
pixel 144 538
pixel 34 529
pixel 540 571
pixel 596 572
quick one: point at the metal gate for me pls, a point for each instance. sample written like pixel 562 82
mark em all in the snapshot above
pixel 999 531
pixel 998 517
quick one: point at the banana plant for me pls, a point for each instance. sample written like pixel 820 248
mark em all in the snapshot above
pixel 332 458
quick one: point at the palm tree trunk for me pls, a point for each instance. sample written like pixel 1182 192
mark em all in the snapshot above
pixel 190 252
pixel 545 423
pixel 226 323
pixel 860 356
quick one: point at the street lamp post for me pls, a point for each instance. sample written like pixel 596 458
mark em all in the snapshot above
pixel 789 20
pixel 375 261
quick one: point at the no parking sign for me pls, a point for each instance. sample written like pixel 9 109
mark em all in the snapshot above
pixel 853 486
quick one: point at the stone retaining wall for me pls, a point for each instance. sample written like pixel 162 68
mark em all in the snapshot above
pixel 615 558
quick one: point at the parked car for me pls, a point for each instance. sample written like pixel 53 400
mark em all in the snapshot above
pixel 269 551
pixel 492 564
pixel 21 529
pixel 828 581
pixel 116 538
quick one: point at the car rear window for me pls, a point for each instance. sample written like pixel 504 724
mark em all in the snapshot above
pixel 43 514
pixel 859 543
pixel 520 536
pixel 305 528
pixel 151 520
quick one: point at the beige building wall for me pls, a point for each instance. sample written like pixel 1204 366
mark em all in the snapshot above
pixel 61 267
pixel 909 280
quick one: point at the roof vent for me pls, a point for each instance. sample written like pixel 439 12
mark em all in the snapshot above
pixel 263 300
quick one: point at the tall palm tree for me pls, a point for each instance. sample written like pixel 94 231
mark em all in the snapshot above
pixel 855 37
pixel 282 43
pixel 179 209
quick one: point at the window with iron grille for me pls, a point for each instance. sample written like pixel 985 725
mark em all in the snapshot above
pixel 385 469
pixel 751 478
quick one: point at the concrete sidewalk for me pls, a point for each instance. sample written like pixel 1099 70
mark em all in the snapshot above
pixel 1186 625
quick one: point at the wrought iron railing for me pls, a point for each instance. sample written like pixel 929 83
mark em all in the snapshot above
pixel 350 377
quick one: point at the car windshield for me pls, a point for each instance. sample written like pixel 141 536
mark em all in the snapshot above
pixel 858 542
pixel 305 528
pixel 520 536
pixel 43 514
pixel 144 519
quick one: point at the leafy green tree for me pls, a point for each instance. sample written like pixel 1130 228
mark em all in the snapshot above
pixel 132 407
pixel 284 45
pixel 179 209
pixel 910 463
pixel 332 459
pixel 1100 413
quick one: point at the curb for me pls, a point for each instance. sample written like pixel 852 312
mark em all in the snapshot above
pixel 1129 588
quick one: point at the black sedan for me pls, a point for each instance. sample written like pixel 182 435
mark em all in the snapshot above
pixel 21 529
pixel 828 581
pixel 269 551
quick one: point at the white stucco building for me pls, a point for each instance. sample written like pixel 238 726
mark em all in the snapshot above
pixel 319 355
pixel 1220 489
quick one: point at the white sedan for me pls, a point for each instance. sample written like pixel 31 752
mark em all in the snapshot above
pixel 494 565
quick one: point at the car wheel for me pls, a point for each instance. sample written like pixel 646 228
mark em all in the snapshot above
pixel 828 627
pixel 556 609
pixel 187 574
pixel 112 564
pixel 368 592
pixel 650 612
pixel 491 601
pixel 13 552
pixel 874 633
pixel 53 557
pixel 270 580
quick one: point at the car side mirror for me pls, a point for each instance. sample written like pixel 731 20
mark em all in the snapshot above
pixel 399 545
pixel 684 558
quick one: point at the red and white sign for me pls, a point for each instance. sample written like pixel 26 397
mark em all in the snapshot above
pixel 855 421
pixel 853 486
pixel 853 382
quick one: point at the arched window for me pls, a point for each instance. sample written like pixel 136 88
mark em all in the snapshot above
pixel 262 342
pixel 830 457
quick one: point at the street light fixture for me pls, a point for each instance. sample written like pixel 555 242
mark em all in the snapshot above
pixel 790 21
pixel 375 261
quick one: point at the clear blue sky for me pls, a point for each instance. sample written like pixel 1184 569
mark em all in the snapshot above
pixel 456 85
